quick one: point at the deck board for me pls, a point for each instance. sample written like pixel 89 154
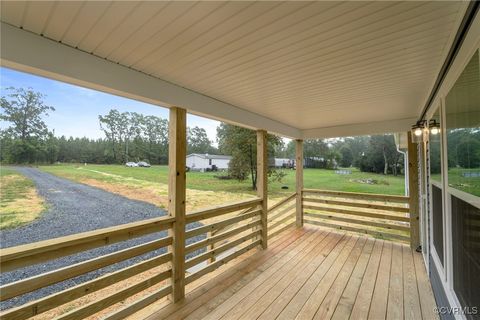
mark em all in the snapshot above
pixel 311 273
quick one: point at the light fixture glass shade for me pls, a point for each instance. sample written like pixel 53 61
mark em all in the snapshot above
pixel 418 131
pixel 434 127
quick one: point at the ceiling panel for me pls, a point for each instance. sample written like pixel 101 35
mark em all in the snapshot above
pixel 305 64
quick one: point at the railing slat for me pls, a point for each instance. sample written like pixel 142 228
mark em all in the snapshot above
pixel 214 252
pixel 139 304
pixel 282 202
pixel 220 210
pixel 358 195
pixel 220 236
pixel 358 221
pixel 358 213
pixel 359 205
pixel 42 280
pixel 217 225
pixel 211 267
pixel 281 213
pixel 39 306
pixel 33 253
pixel 118 296
pixel 281 221
pixel 359 230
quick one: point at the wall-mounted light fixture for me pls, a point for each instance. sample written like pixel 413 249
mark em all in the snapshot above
pixel 434 127
pixel 418 130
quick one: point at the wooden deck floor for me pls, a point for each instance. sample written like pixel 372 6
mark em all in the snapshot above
pixel 312 273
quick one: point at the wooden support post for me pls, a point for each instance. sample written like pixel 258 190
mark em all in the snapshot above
pixel 299 181
pixel 414 192
pixel 262 182
pixel 176 197
pixel 211 246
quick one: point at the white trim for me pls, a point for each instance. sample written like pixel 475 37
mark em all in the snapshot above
pixel 447 221
pixel 390 126
pixel 464 196
pixel 470 44
pixel 438 264
pixel 28 52
pixel 449 293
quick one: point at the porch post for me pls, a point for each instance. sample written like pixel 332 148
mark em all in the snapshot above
pixel 262 182
pixel 299 181
pixel 176 198
pixel 413 187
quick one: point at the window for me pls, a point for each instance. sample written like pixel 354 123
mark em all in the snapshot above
pixel 462 107
pixel 463 130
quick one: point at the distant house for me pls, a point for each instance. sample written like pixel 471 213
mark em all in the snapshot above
pixel 284 163
pixel 203 162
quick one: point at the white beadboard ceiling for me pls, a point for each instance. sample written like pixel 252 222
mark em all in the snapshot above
pixel 308 65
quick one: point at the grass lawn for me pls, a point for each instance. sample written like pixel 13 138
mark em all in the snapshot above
pixel 204 189
pixel 19 201
pixel 458 180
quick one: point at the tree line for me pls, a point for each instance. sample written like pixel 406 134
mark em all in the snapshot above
pixel 377 154
pixel 129 136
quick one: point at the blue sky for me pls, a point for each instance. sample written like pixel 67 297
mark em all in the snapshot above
pixel 77 109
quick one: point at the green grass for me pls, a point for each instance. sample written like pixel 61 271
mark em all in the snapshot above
pixel 458 181
pixel 206 181
pixel 19 202
pixel 467 184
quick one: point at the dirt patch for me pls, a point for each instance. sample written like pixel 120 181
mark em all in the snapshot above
pixel 157 194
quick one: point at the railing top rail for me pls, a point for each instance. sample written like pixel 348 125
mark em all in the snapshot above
pixel 371 196
pixel 221 209
pixel 282 202
pixel 57 247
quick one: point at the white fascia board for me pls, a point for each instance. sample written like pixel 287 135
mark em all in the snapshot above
pixel 470 44
pixel 390 126
pixel 25 51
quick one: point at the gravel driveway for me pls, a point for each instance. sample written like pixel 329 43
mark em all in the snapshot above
pixel 72 208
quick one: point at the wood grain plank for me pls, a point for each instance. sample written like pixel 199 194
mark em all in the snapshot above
pixel 378 309
pixel 395 291
pixel 364 297
pixel 247 290
pixel 347 300
pixel 326 309
pixel 292 309
pixel 254 305
pixel 316 298
pixel 410 291
pixel 427 300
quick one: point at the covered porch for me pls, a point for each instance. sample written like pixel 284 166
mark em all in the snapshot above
pixel 300 70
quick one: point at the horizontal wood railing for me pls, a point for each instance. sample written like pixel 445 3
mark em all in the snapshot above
pixel 231 230
pixel 31 254
pixel 236 233
pixel 383 216
pixel 281 215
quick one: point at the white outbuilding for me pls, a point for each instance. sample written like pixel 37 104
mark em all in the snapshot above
pixel 202 162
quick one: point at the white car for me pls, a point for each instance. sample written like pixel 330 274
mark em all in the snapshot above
pixel 131 164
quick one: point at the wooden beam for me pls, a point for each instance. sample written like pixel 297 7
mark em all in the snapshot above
pixel 176 197
pixel 413 188
pixel 262 182
pixel 299 181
